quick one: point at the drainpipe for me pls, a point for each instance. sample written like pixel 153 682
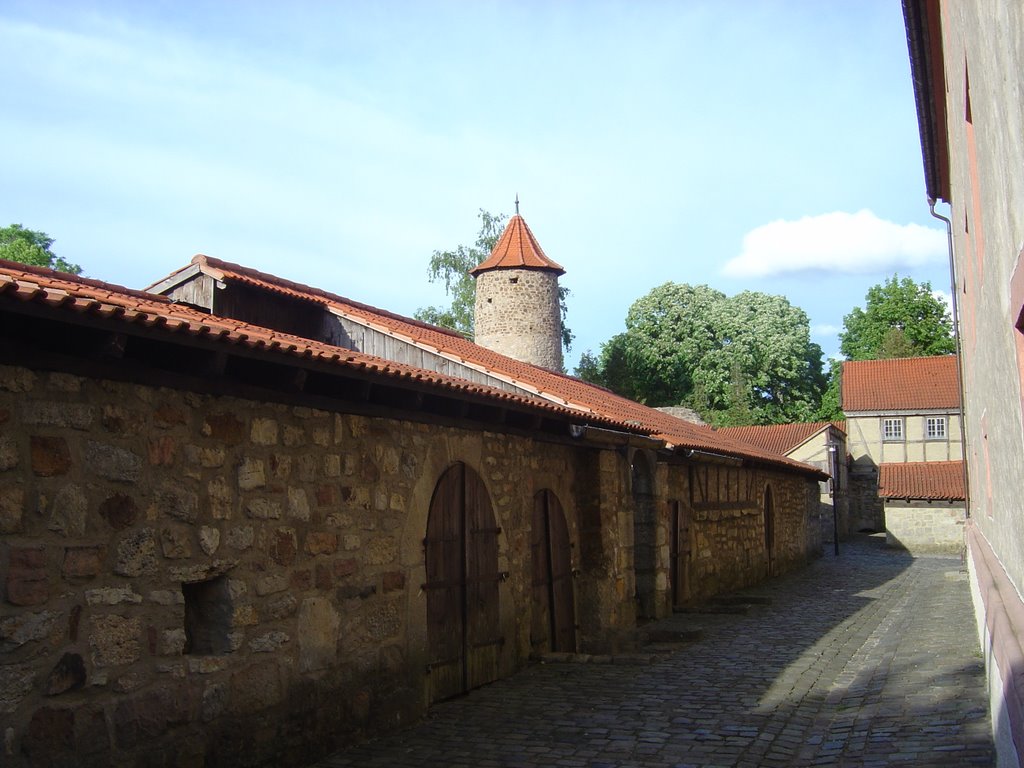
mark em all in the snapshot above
pixel 959 358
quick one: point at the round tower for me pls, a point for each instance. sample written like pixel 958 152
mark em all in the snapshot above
pixel 517 309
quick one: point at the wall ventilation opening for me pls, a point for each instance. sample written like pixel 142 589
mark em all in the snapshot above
pixel 208 614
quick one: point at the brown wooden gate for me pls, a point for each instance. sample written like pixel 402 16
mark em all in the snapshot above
pixel 463 627
pixel 554 607
pixel 769 530
pixel 680 556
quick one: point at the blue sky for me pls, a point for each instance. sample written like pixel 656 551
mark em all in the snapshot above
pixel 767 146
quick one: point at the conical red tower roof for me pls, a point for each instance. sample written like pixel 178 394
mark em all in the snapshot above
pixel 517 249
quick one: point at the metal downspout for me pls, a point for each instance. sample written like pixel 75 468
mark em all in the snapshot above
pixel 959 358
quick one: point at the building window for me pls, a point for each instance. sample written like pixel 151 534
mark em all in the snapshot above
pixel 892 429
pixel 935 428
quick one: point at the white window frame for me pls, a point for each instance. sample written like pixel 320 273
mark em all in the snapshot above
pixel 892 429
pixel 935 427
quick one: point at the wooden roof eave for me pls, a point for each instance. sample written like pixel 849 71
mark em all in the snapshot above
pixel 927 67
pixel 212 351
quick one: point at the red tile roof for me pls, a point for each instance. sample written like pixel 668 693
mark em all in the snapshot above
pixel 558 387
pixel 83 296
pixel 901 384
pixel 517 249
pixel 780 438
pixel 926 480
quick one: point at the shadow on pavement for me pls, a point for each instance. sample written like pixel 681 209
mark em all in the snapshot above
pixel 865 659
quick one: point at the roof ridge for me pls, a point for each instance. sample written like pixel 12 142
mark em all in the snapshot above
pixel 314 292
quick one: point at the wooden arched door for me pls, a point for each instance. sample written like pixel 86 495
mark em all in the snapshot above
pixel 554 606
pixel 645 537
pixel 463 627
pixel 680 553
pixel 769 530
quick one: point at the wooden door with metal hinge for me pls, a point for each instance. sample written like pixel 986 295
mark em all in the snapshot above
pixel 461 551
pixel 554 605
pixel 679 518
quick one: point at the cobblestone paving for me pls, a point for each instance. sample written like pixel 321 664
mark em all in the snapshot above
pixel 869 659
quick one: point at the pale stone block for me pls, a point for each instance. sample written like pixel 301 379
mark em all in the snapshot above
pixel 271 583
pixel 264 431
pixel 244 616
pixel 318 626
pixel 251 474
pixel 26 627
pixel 176 543
pixel 68 511
pixel 221 497
pixel 12 505
pixel 332 465
pixel 268 643
pixel 112 462
pixel 209 539
pixel 55 414
pixel 8 453
pixel 381 551
pixel 137 554
pixel 172 642
pixel 263 509
pixel 114 640
pixel 112 596
pixel 294 436
pixel 14 379
pixel 16 682
pixel 298 504
pixel 166 597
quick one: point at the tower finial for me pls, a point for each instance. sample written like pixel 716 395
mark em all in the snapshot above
pixel 517 203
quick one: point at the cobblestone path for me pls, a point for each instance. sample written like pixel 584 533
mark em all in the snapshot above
pixel 868 659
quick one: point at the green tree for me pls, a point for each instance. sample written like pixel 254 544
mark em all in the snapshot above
pixel 831 408
pixel 28 246
pixel 609 368
pixel 452 268
pixel 745 359
pixel 901 318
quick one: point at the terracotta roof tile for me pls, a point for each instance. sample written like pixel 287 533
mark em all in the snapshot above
pixel 926 480
pixel 27 284
pixel 779 438
pixel 517 249
pixel 552 385
pixel 901 384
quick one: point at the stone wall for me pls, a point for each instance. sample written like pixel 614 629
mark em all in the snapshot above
pixel 517 314
pixel 214 579
pixel 729 547
pixel 923 528
pixel 222 581
pixel 866 511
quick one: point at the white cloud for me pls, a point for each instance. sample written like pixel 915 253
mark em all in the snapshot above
pixel 839 242
pixel 824 329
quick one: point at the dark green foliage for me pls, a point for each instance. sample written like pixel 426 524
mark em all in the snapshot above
pixel 901 318
pixel 28 246
pixel 747 359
